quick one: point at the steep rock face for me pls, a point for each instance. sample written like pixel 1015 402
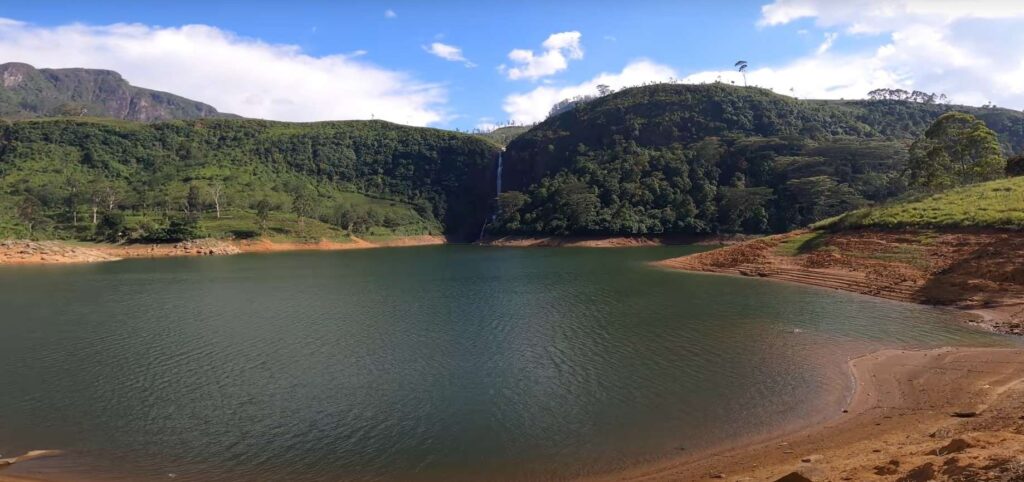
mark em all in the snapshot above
pixel 29 92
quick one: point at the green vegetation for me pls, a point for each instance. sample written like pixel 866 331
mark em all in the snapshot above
pixel 1015 165
pixel 801 244
pixel 689 159
pixel 504 135
pixel 957 149
pixel 717 158
pixel 115 180
pixel 28 92
pixel 995 204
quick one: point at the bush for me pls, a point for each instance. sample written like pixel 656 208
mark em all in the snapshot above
pixel 112 228
pixel 184 229
pixel 244 233
pixel 179 229
pixel 1015 166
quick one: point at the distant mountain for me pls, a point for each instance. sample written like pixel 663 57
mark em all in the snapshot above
pixel 28 92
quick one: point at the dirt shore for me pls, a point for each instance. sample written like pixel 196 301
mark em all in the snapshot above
pixel 980 272
pixel 951 414
pixel 609 241
pixel 57 252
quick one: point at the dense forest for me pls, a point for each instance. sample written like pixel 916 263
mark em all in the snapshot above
pixel 691 159
pixel 716 158
pixel 117 180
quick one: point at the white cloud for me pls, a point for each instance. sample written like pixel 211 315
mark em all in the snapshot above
pixel 390 14
pixel 240 75
pixel 533 106
pixel 559 48
pixel 965 49
pixel 830 38
pixel 876 16
pixel 486 125
pixel 450 53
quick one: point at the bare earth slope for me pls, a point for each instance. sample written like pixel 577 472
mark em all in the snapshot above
pixel 981 271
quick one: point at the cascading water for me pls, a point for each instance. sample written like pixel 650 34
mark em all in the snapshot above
pixel 499 172
pixel 497 190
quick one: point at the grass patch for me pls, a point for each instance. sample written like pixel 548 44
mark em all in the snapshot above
pixel 996 204
pixel 803 244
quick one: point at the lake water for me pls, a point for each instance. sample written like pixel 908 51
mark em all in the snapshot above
pixel 435 363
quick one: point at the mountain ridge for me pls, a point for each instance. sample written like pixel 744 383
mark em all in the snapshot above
pixel 28 92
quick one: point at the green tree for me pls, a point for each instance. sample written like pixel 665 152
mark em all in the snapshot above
pixel 304 206
pixel 29 211
pixel 263 208
pixel 111 227
pixel 1015 165
pixel 193 204
pixel 578 204
pixel 957 149
pixel 508 205
pixel 743 209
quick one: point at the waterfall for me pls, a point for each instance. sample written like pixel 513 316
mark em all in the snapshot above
pixel 497 190
pixel 499 171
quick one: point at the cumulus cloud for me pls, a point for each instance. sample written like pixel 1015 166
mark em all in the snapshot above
pixel 959 48
pixel 450 53
pixel 235 74
pixel 559 48
pixel 533 106
pixel 390 14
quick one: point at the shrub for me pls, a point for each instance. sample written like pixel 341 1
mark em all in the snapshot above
pixel 1015 166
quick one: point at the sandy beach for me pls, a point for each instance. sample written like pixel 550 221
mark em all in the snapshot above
pixel 943 414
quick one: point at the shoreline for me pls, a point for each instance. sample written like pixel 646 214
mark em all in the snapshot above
pixel 984 286
pixel 611 241
pixel 26 253
pixel 897 423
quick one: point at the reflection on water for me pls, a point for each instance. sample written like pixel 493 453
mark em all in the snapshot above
pixel 422 363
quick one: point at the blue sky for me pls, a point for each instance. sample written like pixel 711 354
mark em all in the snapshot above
pixel 315 60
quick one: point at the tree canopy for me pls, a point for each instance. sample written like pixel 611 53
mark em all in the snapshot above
pixel 957 149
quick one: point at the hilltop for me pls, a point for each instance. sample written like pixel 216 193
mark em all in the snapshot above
pixel 504 135
pixel 28 92
pixel 701 159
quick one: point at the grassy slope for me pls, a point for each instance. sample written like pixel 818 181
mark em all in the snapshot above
pixel 997 204
pixel 504 135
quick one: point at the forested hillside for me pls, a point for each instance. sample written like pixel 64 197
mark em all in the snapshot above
pixel 714 158
pixel 27 92
pixel 82 178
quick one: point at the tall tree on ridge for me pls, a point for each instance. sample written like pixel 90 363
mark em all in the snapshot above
pixel 741 66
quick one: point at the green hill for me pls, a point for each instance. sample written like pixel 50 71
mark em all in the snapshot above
pixel 504 135
pixel 27 92
pixel 713 158
pixel 369 176
pixel 995 204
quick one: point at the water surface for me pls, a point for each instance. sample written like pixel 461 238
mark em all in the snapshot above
pixel 421 363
